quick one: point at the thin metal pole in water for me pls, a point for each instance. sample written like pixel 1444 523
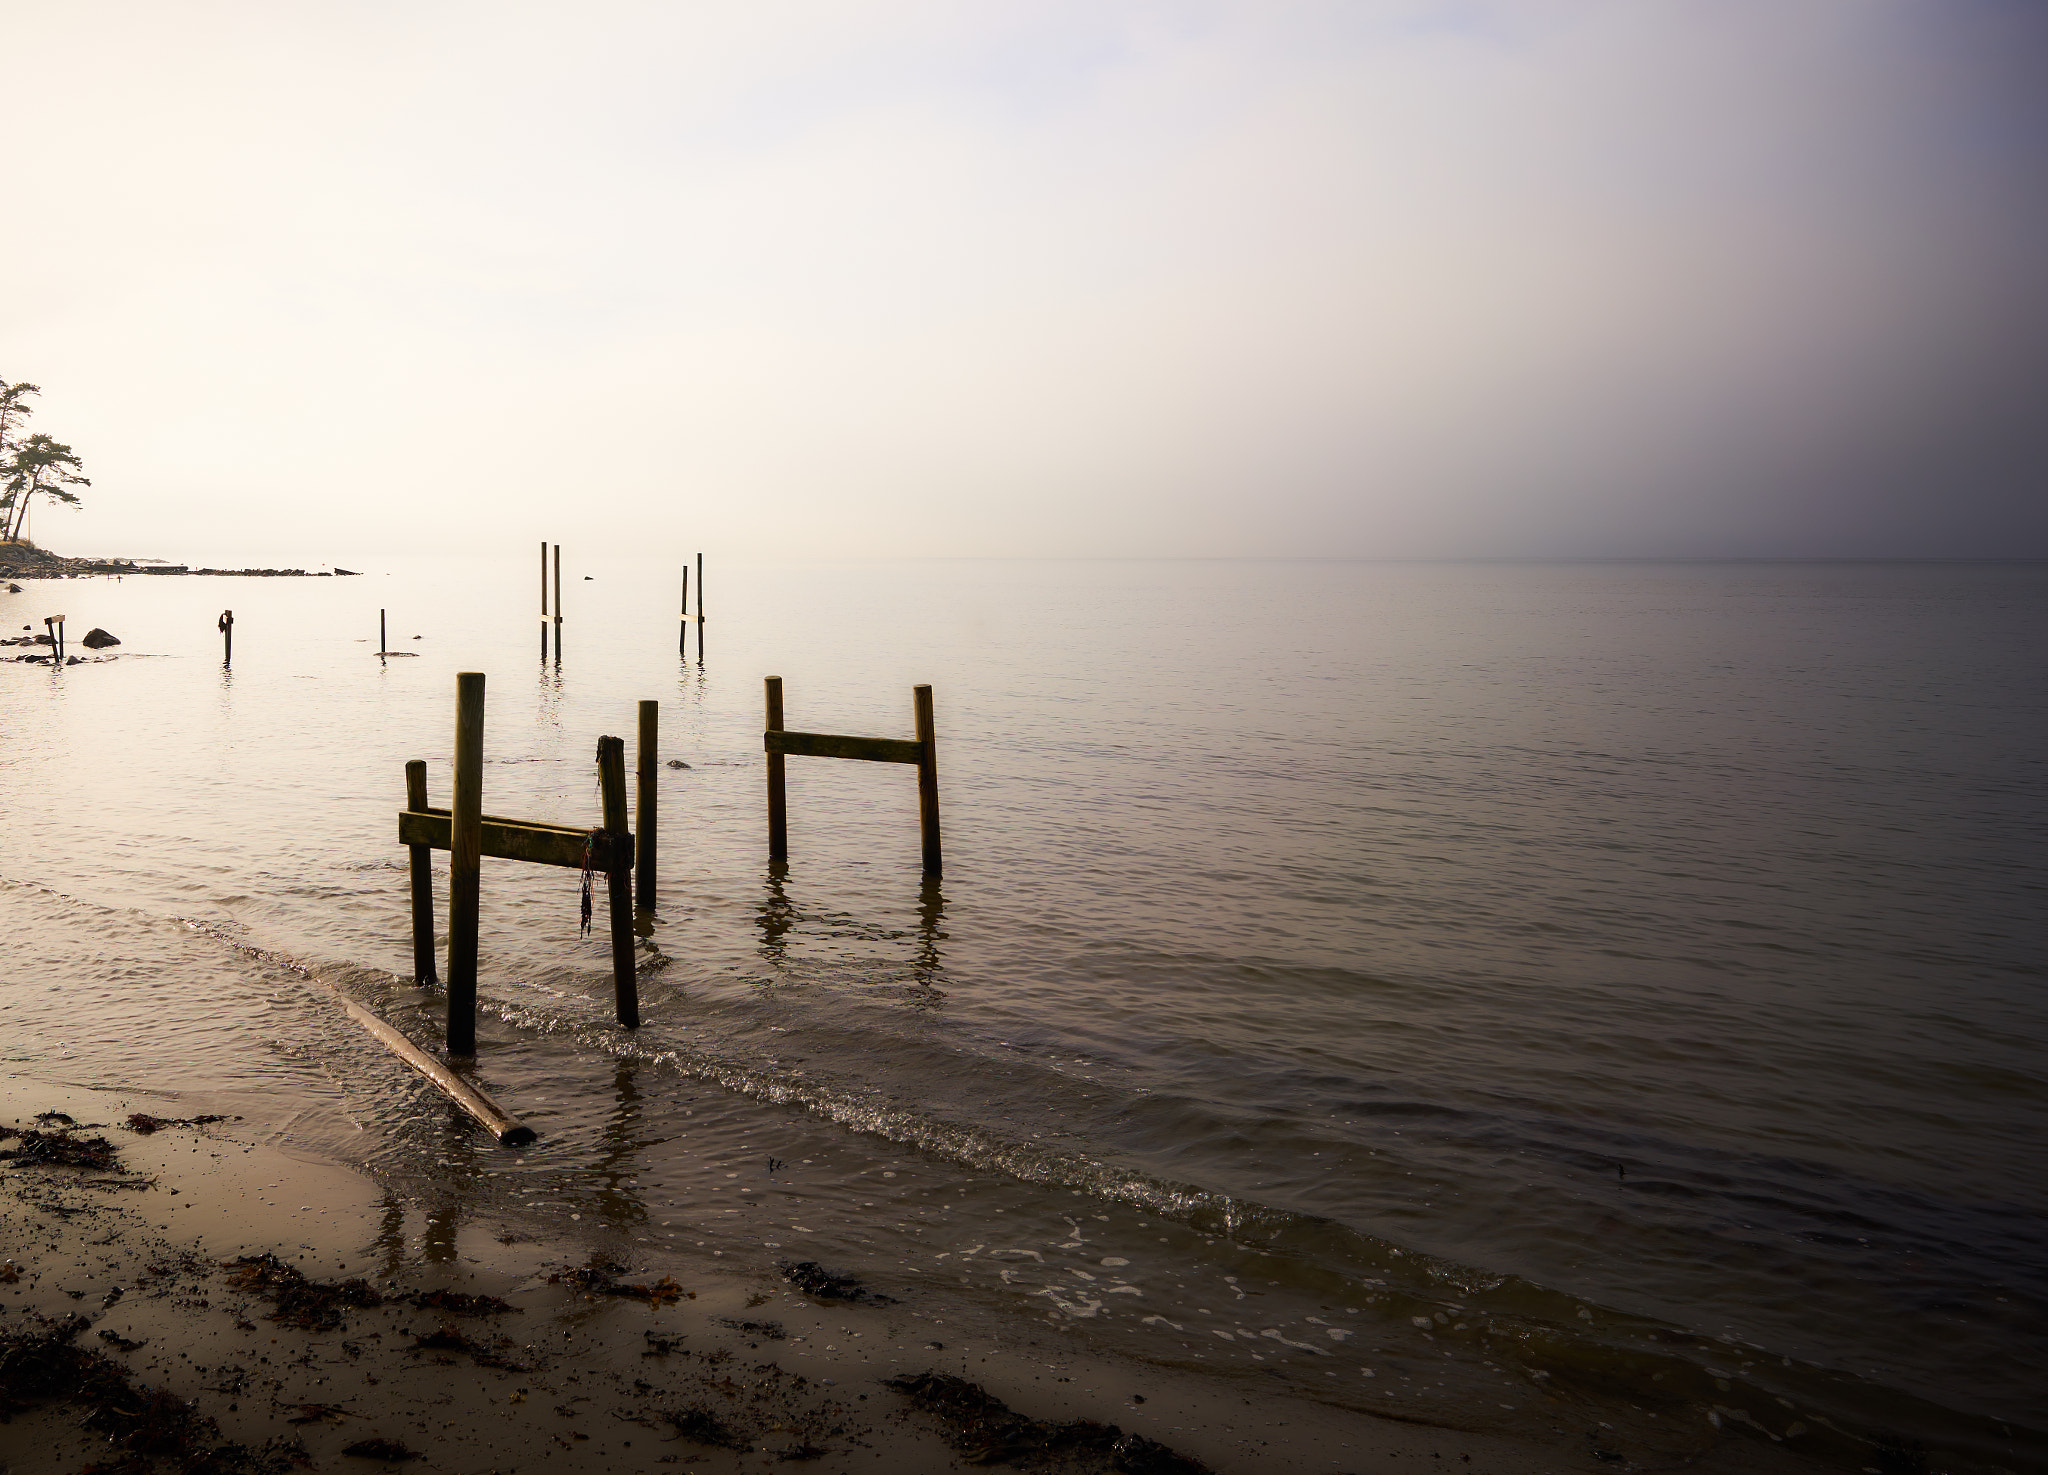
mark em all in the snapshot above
pixel 465 861
pixel 611 784
pixel 927 779
pixel 226 626
pixel 422 865
pixel 644 816
pixel 778 798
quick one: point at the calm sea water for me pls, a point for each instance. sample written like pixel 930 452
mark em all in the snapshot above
pixel 1474 991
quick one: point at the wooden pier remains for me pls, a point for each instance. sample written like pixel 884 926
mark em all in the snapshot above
pixel 468 835
pixel 922 751
pixel 54 624
pixel 226 625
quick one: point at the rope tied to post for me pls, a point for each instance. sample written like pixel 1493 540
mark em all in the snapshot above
pixel 589 855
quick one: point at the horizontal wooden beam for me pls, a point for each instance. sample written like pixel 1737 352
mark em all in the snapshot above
pixel 512 839
pixel 830 745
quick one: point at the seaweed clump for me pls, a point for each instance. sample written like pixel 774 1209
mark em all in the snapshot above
pixel 143 1425
pixel 599 1276
pixel 701 1426
pixel 815 1280
pixel 311 1304
pixel 459 1303
pixel 142 1124
pixel 62 1148
pixel 989 1432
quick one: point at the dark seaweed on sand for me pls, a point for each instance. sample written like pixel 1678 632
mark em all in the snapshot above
pixel 59 1149
pixel 701 1426
pixel 599 1277
pixel 815 1280
pixel 381 1449
pixel 142 1425
pixel 314 1305
pixel 771 1330
pixel 989 1432
pixel 459 1303
pixel 143 1124
pixel 482 1353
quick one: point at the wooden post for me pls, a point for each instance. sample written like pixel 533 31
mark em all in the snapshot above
pixel 778 799
pixel 700 609
pixel 226 626
pixel 927 779
pixel 558 601
pixel 465 861
pixel 543 598
pixel 422 880
pixel 645 806
pixel 380 633
pixel 611 784
pixel 53 626
pixel 683 625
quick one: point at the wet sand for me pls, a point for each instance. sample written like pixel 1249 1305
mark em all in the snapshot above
pixel 154 1264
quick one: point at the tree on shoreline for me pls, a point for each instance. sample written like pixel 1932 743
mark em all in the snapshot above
pixel 32 465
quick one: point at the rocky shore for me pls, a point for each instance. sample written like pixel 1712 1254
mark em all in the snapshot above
pixel 26 561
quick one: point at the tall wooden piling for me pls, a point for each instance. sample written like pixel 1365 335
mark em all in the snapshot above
pixel 700 609
pixel 226 626
pixel 611 784
pixel 558 601
pixel 381 647
pixel 465 861
pixel 645 805
pixel 543 598
pixel 927 779
pixel 54 624
pixel 683 625
pixel 422 865
pixel 778 797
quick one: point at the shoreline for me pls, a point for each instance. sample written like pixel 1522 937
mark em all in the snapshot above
pixel 602 1362
pixel 27 561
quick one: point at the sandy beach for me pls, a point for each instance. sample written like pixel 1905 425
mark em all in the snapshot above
pixel 197 1301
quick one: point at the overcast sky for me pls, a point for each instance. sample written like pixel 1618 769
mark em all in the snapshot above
pixel 1372 278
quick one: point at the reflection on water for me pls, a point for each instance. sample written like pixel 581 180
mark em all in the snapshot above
pixel 1321 975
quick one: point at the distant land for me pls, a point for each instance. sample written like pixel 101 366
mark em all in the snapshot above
pixel 26 561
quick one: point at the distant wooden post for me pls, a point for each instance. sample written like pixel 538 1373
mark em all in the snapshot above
pixel 645 804
pixel 683 625
pixel 465 861
pixel 54 625
pixel 543 598
pixel 700 609
pixel 422 880
pixel 778 798
pixel 611 784
pixel 558 601
pixel 226 626
pixel 927 778
pixel 380 633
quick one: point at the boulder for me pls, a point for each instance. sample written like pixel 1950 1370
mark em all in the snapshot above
pixel 98 639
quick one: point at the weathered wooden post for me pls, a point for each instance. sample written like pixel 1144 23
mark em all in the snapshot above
pixel 611 785
pixel 778 798
pixel 465 861
pixel 543 598
pixel 927 779
pixel 683 625
pixel 54 626
pixel 226 626
pixel 381 650
pixel 645 820
pixel 421 857
pixel 558 601
pixel 700 609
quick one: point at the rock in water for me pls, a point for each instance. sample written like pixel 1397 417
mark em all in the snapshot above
pixel 98 639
